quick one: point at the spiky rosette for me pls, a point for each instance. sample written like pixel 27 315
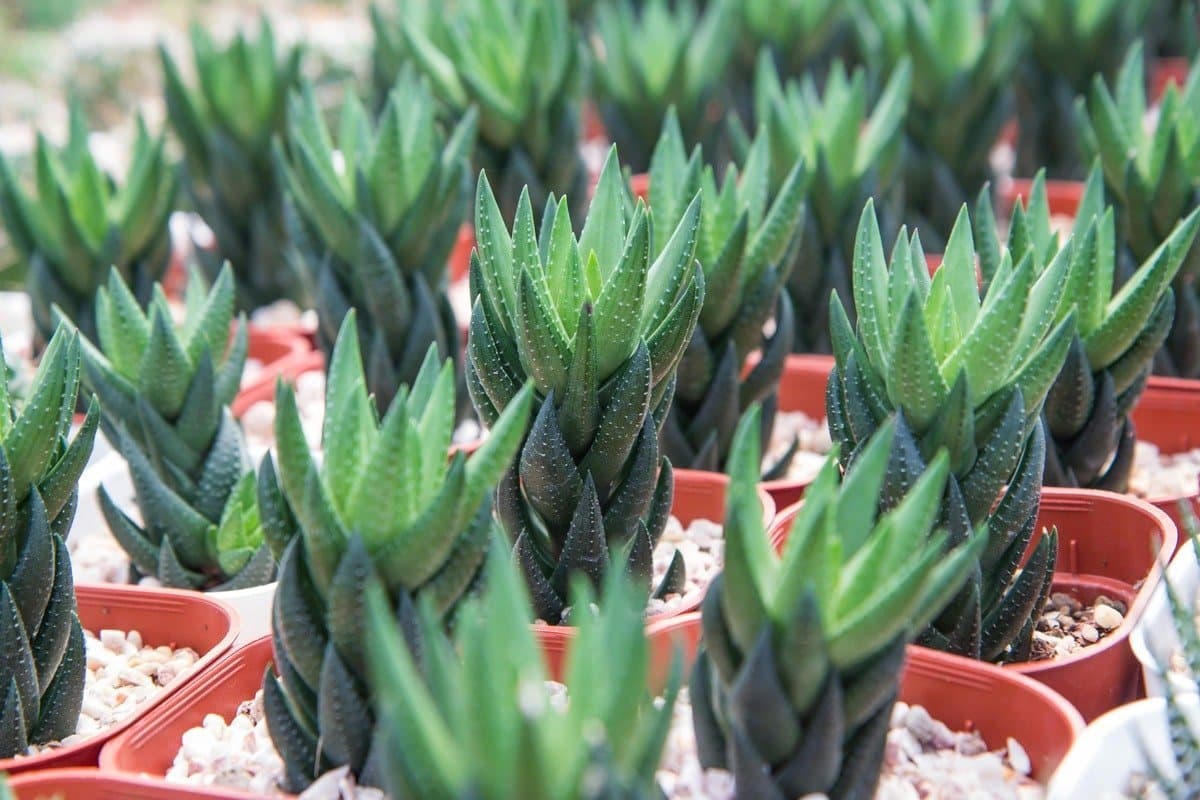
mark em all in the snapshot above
pixel 801 36
pixel 800 666
pixel 82 224
pixel 963 55
pixel 375 215
pixel 1153 179
pixel 657 57
pixel 606 742
pixel 1070 41
pixel 165 392
pixel 385 502
pixel 600 328
pixel 1086 412
pixel 226 124
pixel 745 243
pixel 850 156
pixel 519 64
pixel 966 374
pixel 43 668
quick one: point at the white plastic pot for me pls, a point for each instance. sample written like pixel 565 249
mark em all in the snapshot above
pixel 1127 741
pixel 1154 639
pixel 254 608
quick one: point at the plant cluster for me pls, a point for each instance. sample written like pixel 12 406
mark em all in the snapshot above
pixel 599 325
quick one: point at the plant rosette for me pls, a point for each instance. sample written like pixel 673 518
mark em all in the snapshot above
pixel 1114 751
pixel 1109 545
pixel 962 698
pixel 175 619
pixel 1155 640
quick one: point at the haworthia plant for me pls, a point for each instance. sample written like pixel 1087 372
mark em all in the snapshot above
pixel 45 663
pixel 852 151
pixel 390 53
pixel 604 739
pixel 801 658
pixel 963 55
pixel 374 212
pixel 1152 174
pixel 226 123
pixel 1070 41
pixel 387 500
pixel 967 374
pixel 519 64
pixel 599 326
pixel 662 56
pixel 802 36
pixel 746 240
pixel 1088 428
pixel 165 390
pixel 82 223
pixel 1172 29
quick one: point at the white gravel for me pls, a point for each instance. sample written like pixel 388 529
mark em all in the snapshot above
pixel 924 759
pixel 702 545
pixel 123 673
pixel 1156 474
pixel 237 754
pixel 814 446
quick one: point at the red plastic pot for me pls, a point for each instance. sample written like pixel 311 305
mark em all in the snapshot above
pixel 1168 415
pixel 163 616
pixel 93 784
pixel 1109 544
pixel 1063 197
pixel 280 351
pixel 1166 71
pixel 312 361
pixel 460 256
pixel 151 746
pixel 698 495
pixel 969 695
pixel 801 388
pixel 639 184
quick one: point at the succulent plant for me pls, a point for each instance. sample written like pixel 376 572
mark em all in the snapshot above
pixel 373 222
pixel 519 64
pixel 963 55
pixel 745 242
pixel 661 56
pixel 800 35
pixel 966 374
pixel 226 123
pixel 603 740
pixel 850 155
pixel 39 470
pixel 165 391
pixel 600 327
pixel 81 224
pixel 389 52
pixel 1153 179
pixel 1088 428
pixel 801 656
pixel 388 501
pixel 1172 29
pixel 1070 41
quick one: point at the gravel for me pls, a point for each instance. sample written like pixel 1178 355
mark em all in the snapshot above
pixel 1159 475
pixel 237 754
pixel 1067 625
pixel 814 444
pixel 123 673
pixel 923 759
pixel 702 545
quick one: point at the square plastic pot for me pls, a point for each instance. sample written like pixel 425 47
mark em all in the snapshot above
pixel 93 784
pixel 1108 544
pixel 1168 416
pixel 282 353
pixel 163 616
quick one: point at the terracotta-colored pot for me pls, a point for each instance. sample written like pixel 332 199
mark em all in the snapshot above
pixel 1109 544
pixel 970 695
pixel 280 351
pixel 698 495
pixel 1168 416
pixel 460 256
pixel 801 388
pixel 93 784
pixel 312 361
pixel 1166 71
pixel 163 616
pixel 640 185
pixel 1063 197
pixel 150 747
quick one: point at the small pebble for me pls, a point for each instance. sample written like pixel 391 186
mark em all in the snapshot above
pixel 1107 618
